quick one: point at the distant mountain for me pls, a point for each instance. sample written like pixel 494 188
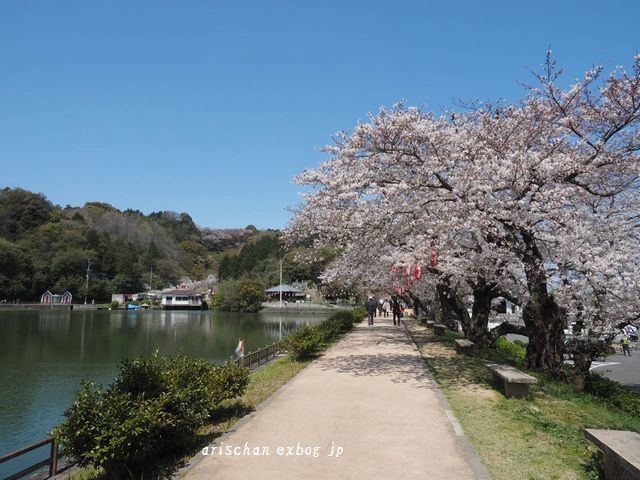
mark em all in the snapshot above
pixel 46 247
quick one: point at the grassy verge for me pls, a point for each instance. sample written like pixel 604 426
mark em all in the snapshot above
pixel 262 384
pixel 539 437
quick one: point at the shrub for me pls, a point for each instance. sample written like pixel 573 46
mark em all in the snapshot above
pixel 511 352
pixel 244 295
pixel 303 344
pixel 615 395
pixel 115 304
pixel 348 318
pixel 153 409
pixel 336 325
pixel 229 382
pixel 359 313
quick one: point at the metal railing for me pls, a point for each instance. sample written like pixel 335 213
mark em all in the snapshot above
pixel 51 461
pixel 260 357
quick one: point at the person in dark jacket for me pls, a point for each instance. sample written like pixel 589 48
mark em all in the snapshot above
pixel 396 309
pixel 372 305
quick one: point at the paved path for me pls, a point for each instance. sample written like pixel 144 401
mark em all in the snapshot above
pixel 371 396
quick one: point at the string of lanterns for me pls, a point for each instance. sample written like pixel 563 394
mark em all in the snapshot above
pixel 405 275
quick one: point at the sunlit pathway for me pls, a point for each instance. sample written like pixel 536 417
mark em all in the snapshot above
pixel 369 396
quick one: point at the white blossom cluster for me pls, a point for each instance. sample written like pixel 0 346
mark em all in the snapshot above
pixel 540 197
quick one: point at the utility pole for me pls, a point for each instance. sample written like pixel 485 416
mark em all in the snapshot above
pixel 151 279
pixel 86 285
pixel 281 282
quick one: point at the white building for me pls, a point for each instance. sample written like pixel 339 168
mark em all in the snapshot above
pixel 182 299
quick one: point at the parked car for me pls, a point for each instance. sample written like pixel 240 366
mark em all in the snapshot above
pixel 630 329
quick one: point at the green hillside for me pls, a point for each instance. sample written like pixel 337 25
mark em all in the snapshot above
pixel 46 247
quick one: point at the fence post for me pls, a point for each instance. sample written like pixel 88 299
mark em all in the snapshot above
pixel 53 467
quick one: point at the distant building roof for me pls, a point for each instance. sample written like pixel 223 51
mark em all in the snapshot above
pixel 283 288
pixel 180 292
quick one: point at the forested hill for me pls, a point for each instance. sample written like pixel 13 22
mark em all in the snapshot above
pixel 46 247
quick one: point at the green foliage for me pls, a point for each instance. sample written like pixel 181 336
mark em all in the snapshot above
pixel 303 343
pixel 251 295
pixel 256 257
pixel 153 409
pixel 15 271
pixel 339 323
pixel 615 395
pixel 227 298
pixel 115 304
pixel 197 258
pixel 229 381
pixel 123 283
pixel 45 247
pixel 244 295
pixel 51 246
pixel 359 313
pixel 510 352
pixel 22 211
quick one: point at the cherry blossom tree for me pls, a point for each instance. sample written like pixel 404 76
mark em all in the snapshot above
pixel 513 196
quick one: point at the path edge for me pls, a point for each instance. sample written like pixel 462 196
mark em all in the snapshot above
pixel 479 469
pixel 198 457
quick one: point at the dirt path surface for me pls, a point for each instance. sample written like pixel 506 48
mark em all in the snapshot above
pixel 369 398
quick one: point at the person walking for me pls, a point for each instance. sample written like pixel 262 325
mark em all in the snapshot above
pixel 371 306
pixel 396 309
pixel 626 350
pixel 385 307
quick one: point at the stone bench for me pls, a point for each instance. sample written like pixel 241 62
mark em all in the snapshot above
pixel 510 380
pixel 438 329
pixel 464 345
pixel 621 451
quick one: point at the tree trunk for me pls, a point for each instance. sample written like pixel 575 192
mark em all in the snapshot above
pixel 542 316
pixel 478 328
pixel 545 321
pixel 453 308
pixel 581 367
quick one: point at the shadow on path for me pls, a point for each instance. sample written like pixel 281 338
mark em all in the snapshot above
pixel 391 360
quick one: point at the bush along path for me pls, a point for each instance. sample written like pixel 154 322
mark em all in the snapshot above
pixel 364 408
pixel 538 437
pixel 161 410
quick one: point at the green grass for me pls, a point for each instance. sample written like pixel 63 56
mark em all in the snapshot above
pixel 539 437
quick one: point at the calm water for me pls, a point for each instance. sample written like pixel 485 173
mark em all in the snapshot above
pixel 45 354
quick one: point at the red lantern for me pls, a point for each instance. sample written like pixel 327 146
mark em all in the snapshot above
pixel 417 272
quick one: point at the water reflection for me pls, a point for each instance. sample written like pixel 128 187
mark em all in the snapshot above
pixel 45 354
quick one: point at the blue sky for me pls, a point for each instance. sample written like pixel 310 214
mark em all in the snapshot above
pixel 212 107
